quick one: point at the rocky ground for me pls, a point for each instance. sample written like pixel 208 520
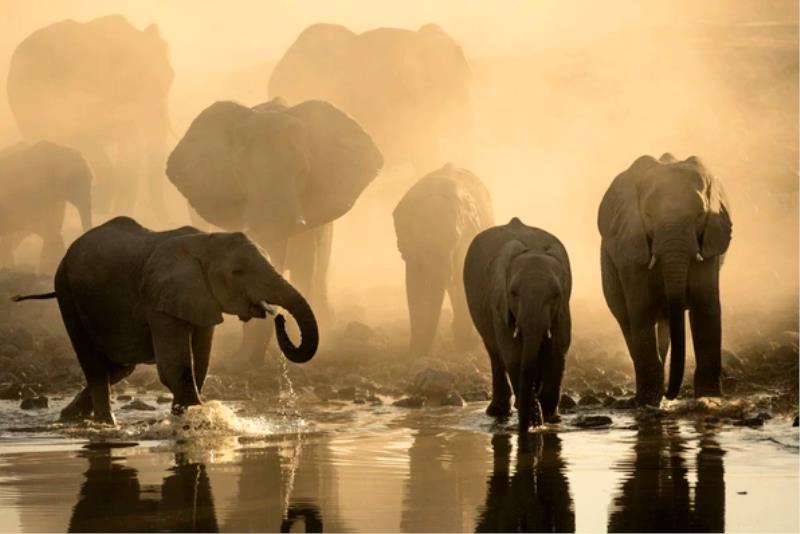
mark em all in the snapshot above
pixel 366 365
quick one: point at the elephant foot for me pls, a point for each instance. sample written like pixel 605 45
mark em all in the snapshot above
pixel 553 418
pixel 105 419
pixel 498 409
pixel 79 409
pixel 708 390
pixel 651 401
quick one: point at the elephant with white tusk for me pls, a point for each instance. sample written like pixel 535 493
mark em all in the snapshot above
pixel 673 215
pixel 129 295
pixel 518 284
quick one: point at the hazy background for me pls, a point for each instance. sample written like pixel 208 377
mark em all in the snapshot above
pixel 565 96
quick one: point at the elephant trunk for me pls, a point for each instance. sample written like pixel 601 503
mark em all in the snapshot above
pixel 675 268
pixel 425 288
pixel 293 302
pixel 533 338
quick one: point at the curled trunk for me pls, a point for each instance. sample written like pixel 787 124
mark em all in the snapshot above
pixel 291 300
pixel 675 270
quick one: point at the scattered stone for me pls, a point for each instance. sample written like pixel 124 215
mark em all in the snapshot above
pixel 359 400
pixel 138 404
pixel 617 391
pixel 589 400
pixel 10 392
pixel 592 421
pixel 796 421
pixel 749 421
pixel 609 401
pixel 453 399
pixel 475 395
pixel 124 397
pixel 434 383
pixel 374 400
pixel 415 401
pixel 34 403
pixel 624 404
pixel 649 413
pixel 766 416
pixel 566 402
pixel 164 399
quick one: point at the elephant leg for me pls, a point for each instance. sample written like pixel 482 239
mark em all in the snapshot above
pixel 172 345
pixel 201 353
pixel 552 373
pixel 307 260
pixel 662 328
pixel 80 408
pixel 615 295
pixel 500 406
pixel 704 319
pixel 104 173
pixel 425 293
pixel 646 362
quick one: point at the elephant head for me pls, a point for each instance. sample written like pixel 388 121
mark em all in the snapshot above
pixel 271 169
pixel 530 298
pixel 197 277
pixel 667 213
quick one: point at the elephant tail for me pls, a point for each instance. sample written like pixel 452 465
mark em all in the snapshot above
pixel 40 296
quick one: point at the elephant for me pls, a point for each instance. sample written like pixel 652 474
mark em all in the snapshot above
pixel 435 222
pixel 665 226
pixel 282 174
pixel 37 182
pixel 100 87
pixel 518 282
pixel 409 89
pixel 128 295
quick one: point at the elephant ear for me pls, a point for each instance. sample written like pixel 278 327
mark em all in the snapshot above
pixel 174 283
pixel 203 164
pixel 619 218
pixel 343 160
pixel 499 279
pixel 718 229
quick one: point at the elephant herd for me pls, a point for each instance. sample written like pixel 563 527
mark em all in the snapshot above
pixel 275 177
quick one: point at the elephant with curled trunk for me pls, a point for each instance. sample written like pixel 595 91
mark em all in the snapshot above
pixel 37 182
pixel 665 226
pixel 129 295
pixel 518 284
pixel 100 87
pixel 435 222
pixel 409 89
pixel 283 175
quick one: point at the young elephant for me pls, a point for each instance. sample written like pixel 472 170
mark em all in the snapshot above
pixel 129 295
pixel 37 181
pixel 518 283
pixel 435 222
pixel 665 227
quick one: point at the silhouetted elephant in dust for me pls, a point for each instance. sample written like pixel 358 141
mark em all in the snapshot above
pixel 435 222
pixel 518 284
pixel 281 174
pixel 100 87
pixel 536 497
pixel 37 181
pixel 408 89
pixel 665 227
pixel 128 295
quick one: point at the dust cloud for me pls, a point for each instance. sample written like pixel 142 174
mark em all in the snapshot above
pixel 565 95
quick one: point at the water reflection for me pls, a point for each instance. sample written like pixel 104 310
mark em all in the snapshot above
pixel 656 495
pixel 536 497
pixel 112 500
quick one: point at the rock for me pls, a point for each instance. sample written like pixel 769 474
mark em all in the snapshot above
pixel 124 397
pixel 434 383
pixel 34 403
pixel 415 401
pixel 624 404
pixel 589 400
pixel 475 395
pixel 10 391
pixel 453 399
pixel 609 401
pixel 646 413
pixel 617 391
pixel 592 421
pixel 749 421
pixel 374 400
pixel 164 399
pixel 359 400
pixel 796 421
pixel 137 404
pixel 566 402
pixel 766 416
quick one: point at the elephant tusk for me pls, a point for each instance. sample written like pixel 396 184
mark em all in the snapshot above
pixel 652 262
pixel 549 334
pixel 699 257
pixel 269 310
pixel 516 332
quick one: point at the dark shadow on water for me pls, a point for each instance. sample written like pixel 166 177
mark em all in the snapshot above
pixel 536 497
pixel 112 500
pixel 656 495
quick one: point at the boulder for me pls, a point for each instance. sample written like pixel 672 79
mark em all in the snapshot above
pixel 566 402
pixel 453 399
pixel 34 403
pixel 589 400
pixel 592 421
pixel 138 404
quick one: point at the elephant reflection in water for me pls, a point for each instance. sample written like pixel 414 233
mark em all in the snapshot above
pixel 536 498
pixel 657 496
pixel 112 500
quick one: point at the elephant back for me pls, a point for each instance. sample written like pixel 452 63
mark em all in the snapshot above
pixel 202 166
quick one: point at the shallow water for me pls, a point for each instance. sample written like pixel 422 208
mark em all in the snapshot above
pixel 344 467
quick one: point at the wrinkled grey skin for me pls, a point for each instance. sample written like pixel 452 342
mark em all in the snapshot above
pixel 128 295
pixel 100 87
pixel 665 227
pixel 435 222
pixel 37 182
pixel 518 284
pixel 409 89
pixel 281 174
